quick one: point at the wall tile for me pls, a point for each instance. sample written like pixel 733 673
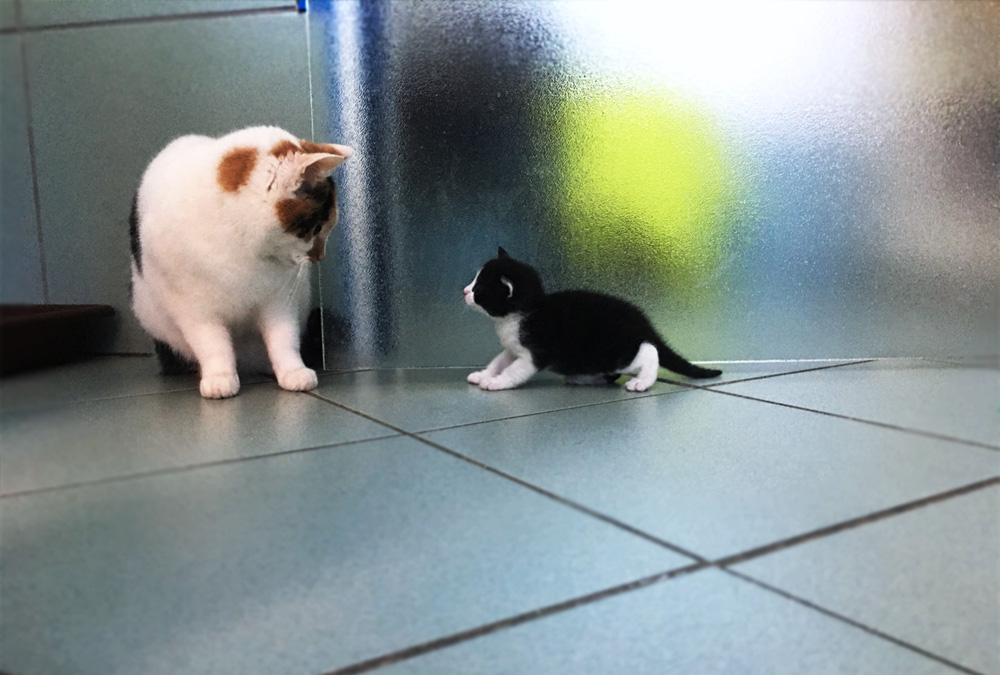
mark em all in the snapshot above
pixel 21 264
pixel 8 18
pixel 106 99
pixel 58 12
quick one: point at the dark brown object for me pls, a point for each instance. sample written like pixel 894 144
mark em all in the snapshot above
pixel 36 336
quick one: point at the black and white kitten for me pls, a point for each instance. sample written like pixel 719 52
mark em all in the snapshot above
pixel 590 338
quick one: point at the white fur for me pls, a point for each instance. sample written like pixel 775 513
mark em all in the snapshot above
pixel 513 366
pixel 644 367
pixel 218 271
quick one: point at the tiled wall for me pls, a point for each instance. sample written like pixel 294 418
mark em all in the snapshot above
pixel 770 180
pixel 109 82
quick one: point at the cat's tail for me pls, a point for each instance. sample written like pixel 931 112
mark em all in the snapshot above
pixel 671 360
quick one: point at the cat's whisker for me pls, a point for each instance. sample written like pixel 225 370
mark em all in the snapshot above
pixel 300 276
pixel 287 285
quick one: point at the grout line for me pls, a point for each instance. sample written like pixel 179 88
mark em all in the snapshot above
pixel 188 467
pixel 851 622
pixel 542 491
pixel 154 19
pixel 765 377
pixel 312 125
pixel 32 160
pixel 822 532
pixel 884 425
pixel 510 622
pixel 722 562
pixel 631 397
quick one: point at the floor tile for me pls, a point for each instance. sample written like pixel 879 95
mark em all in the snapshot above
pixel 734 371
pixel 82 442
pixel 295 564
pixel 930 577
pixel 972 361
pixel 707 622
pixel 956 401
pixel 94 379
pixel 89 380
pixel 718 474
pixel 425 399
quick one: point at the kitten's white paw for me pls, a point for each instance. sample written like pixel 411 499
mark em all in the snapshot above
pixel 220 386
pixel 476 377
pixel 300 379
pixel 496 383
pixel 636 384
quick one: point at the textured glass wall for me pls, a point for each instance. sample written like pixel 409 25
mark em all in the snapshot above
pixel 768 180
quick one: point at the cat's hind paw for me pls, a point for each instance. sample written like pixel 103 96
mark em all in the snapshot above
pixel 220 386
pixel 638 384
pixel 300 379
pixel 476 377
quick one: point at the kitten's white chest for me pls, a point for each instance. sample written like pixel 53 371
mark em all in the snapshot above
pixel 508 330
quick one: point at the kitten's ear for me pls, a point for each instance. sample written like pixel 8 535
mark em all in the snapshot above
pixel 316 167
pixel 510 287
pixel 502 253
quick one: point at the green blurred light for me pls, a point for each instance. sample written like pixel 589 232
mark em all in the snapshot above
pixel 646 183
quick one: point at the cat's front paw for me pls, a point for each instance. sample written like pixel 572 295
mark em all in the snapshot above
pixel 300 379
pixel 220 386
pixel 476 377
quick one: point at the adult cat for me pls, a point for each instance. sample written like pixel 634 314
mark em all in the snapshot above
pixel 589 337
pixel 223 231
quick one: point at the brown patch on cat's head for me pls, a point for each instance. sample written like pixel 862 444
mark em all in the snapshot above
pixel 291 211
pixel 282 148
pixel 235 168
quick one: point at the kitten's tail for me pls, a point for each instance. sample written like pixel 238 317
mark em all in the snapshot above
pixel 671 360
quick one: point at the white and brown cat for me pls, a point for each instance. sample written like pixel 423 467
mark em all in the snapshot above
pixel 223 231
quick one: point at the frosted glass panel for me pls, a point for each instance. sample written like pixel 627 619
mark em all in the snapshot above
pixel 768 180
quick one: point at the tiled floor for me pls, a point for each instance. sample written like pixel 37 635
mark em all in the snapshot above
pixel 834 517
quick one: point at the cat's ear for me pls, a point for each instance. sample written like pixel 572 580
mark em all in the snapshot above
pixel 316 167
pixel 326 148
pixel 502 253
pixel 510 287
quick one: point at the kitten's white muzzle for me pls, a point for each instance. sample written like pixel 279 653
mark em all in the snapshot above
pixel 470 300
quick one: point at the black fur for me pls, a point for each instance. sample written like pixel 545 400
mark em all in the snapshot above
pixel 320 197
pixel 572 332
pixel 133 232
pixel 172 363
